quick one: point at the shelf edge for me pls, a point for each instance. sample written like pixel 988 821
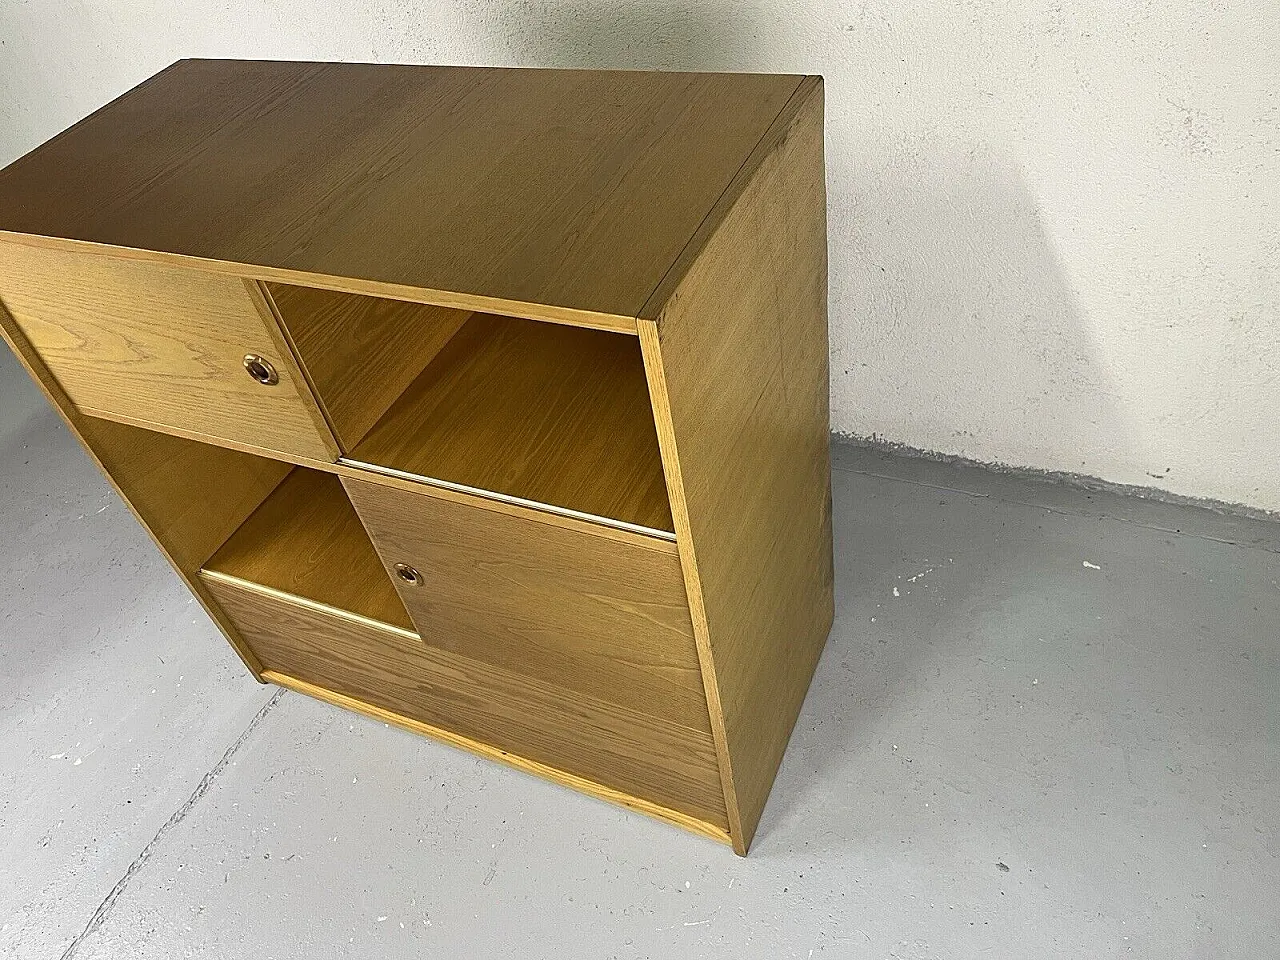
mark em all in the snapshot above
pixel 635 528
pixel 285 597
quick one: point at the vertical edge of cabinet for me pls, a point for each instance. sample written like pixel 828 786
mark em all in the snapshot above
pixel 77 423
pixel 266 309
pixel 737 363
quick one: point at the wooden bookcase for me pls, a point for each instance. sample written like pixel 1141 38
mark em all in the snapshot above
pixel 488 402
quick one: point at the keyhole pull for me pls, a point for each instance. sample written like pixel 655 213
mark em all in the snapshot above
pixel 260 369
pixel 408 574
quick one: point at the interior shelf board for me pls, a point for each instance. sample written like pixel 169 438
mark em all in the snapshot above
pixel 305 541
pixel 535 413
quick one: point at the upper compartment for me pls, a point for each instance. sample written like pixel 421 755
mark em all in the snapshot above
pixel 549 415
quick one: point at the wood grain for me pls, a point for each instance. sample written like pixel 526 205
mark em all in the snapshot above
pixel 546 413
pixel 158 343
pixel 666 289
pixel 593 615
pixel 715 832
pixel 192 495
pixel 360 353
pixel 647 541
pixel 741 407
pixel 153 511
pixel 306 541
pixel 685 210
pixel 625 751
pixel 571 191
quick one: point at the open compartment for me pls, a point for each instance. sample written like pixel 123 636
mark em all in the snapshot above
pixel 305 546
pixel 192 496
pixel 554 416
pixel 360 353
pixel 250 522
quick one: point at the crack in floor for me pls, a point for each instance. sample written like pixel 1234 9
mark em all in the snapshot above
pixel 178 816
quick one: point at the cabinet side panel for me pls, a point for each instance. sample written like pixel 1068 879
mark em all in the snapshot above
pixel 187 495
pixel 737 365
pixel 191 495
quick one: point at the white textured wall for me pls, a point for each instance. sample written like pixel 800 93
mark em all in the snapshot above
pixel 1055 232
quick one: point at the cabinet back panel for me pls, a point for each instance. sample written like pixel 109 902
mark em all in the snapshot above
pixel 192 495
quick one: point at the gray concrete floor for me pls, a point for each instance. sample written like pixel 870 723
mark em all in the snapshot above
pixel 1047 724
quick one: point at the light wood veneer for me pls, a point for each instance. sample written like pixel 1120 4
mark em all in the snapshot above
pixel 539 466
pixel 549 414
pixel 596 616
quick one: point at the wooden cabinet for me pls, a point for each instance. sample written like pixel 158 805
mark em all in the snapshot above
pixel 491 403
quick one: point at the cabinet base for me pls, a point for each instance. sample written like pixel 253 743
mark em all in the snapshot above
pixel 520 763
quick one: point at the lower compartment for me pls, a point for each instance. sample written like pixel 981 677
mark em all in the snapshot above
pixel 647 764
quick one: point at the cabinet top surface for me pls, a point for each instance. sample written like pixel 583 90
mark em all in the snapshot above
pixel 575 189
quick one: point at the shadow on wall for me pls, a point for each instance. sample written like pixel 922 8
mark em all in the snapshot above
pixel 953 326
pixel 693 35
pixel 39 95
pixel 23 126
pixel 952 318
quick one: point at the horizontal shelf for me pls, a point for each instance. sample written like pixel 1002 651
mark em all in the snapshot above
pixel 306 543
pixel 532 413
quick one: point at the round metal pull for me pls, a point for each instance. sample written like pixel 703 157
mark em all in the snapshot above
pixel 408 574
pixel 260 369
